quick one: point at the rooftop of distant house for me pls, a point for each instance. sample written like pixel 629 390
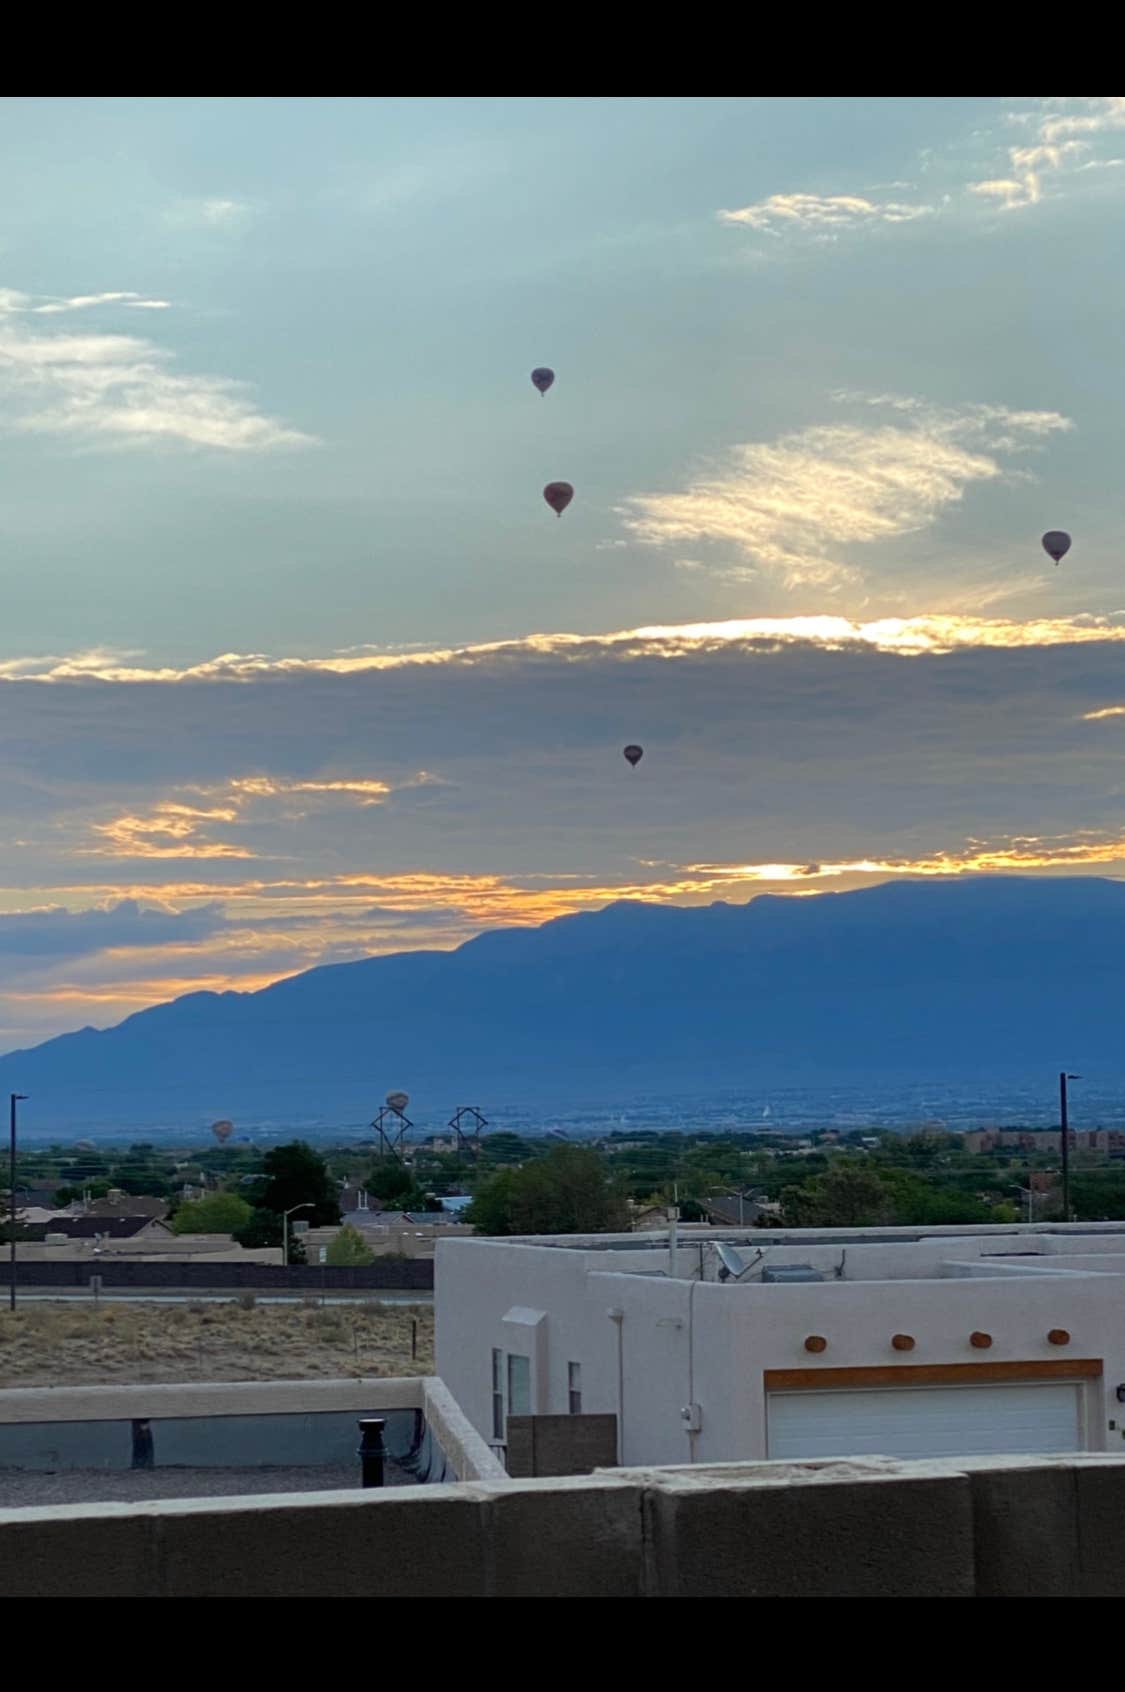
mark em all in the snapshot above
pixel 756 1256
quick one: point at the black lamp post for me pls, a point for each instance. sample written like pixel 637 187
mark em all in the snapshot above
pixel 1064 1124
pixel 13 1100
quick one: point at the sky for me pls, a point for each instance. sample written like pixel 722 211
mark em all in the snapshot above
pixel 296 665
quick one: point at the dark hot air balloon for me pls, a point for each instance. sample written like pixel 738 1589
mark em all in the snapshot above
pixel 543 378
pixel 1056 544
pixel 222 1131
pixel 634 754
pixel 558 496
pixel 398 1102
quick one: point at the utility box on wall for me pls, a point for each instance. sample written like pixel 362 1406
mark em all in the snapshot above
pixel 561 1445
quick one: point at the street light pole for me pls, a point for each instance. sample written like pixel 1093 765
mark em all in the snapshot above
pixel 285 1215
pixel 13 1100
pixel 1064 1125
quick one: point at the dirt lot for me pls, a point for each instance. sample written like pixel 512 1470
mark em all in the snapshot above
pixel 61 1345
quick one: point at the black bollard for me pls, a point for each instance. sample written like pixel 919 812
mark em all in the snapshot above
pixel 372 1451
pixel 144 1446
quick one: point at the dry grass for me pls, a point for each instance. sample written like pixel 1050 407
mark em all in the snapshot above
pixel 67 1345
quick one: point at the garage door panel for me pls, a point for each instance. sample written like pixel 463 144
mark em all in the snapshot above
pixel 926 1421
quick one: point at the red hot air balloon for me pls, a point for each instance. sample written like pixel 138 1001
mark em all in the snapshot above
pixel 1056 544
pixel 558 496
pixel 543 378
pixel 634 754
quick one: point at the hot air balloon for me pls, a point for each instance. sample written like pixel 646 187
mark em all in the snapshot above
pixel 1056 544
pixel 222 1131
pixel 543 378
pixel 634 754
pixel 398 1102
pixel 558 496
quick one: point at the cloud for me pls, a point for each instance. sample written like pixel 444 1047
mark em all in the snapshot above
pixel 54 931
pixel 933 633
pixel 170 830
pixel 13 301
pixel 218 211
pixel 287 805
pixel 174 828
pixel 1062 138
pixel 223 211
pixel 823 215
pixel 119 388
pixel 1066 118
pixel 790 506
pixel 368 792
pixel 1063 133
pixel 83 302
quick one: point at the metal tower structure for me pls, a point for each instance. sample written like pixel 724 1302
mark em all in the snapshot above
pixel 392 1127
pixel 468 1142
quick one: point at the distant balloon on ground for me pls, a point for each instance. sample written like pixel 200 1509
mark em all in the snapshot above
pixel 398 1102
pixel 558 496
pixel 543 378
pixel 1056 544
pixel 634 754
pixel 222 1131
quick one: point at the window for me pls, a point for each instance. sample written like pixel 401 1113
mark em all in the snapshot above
pixel 519 1385
pixel 574 1388
pixel 497 1395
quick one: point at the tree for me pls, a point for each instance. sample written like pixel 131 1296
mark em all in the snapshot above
pixel 932 1203
pixel 349 1247
pixel 504 1148
pixel 389 1182
pixel 493 1201
pixel 218 1213
pixel 569 1190
pixel 265 1228
pixel 846 1195
pixel 294 1174
pixel 1098 1195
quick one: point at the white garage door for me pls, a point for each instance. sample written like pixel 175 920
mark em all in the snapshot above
pixel 925 1421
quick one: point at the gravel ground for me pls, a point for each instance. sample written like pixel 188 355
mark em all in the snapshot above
pixel 19 1488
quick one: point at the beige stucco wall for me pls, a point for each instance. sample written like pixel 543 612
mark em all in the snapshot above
pixel 649 1345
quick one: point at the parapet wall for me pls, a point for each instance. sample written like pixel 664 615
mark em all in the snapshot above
pixel 997 1527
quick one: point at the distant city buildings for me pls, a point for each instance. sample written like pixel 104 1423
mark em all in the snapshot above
pixel 1108 1141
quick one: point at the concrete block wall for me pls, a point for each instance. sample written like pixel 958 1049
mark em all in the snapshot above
pixel 1016 1527
pixel 560 1445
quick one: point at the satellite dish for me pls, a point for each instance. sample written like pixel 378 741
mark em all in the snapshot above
pixel 731 1266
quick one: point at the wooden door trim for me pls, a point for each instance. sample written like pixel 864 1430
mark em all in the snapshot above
pixel 932 1374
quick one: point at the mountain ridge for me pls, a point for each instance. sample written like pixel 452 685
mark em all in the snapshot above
pixel 972 979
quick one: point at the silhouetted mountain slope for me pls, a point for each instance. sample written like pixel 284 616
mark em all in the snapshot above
pixel 966 981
